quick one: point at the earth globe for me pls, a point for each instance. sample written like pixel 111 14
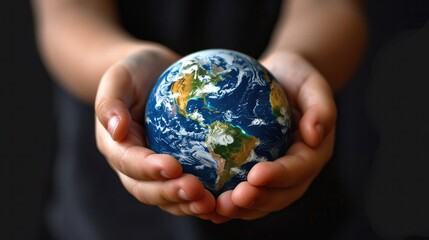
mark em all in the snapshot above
pixel 218 112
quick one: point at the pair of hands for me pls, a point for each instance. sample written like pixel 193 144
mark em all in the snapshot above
pixel 157 179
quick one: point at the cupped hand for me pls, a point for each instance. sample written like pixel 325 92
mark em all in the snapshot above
pixel 154 179
pixel 272 186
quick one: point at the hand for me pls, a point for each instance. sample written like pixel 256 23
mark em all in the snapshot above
pixel 154 179
pixel 272 186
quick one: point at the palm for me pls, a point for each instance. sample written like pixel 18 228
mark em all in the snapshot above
pixel 154 179
pixel 271 186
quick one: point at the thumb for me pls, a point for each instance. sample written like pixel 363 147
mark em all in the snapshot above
pixel 113 100
pixel 309 92
pixel 316 102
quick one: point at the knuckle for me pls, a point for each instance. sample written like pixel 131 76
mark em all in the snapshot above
pixel 167 196
pixel 121 161
pixel 103 111
pixel 100 106
pixel 138 193
pixel 146 169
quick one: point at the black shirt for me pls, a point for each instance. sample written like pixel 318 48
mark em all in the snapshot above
pixel 89 202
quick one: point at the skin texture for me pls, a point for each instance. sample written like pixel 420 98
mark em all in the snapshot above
pixel 314 49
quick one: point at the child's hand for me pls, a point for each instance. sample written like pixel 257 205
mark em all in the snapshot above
pixel 272 186
pixel 154 179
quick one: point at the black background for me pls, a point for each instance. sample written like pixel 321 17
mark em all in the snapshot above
pixel 26 125
pixel 387 154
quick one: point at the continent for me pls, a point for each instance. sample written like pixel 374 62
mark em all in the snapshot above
pixel 196 83
pixel 279 103
pixel 231 147
pixel 183 88
pixel 218 112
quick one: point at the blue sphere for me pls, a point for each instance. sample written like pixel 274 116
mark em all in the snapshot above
pixel 218 112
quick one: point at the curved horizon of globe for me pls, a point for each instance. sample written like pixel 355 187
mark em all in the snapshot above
pixel 218 112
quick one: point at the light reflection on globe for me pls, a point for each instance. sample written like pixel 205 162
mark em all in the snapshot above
pixel 219 112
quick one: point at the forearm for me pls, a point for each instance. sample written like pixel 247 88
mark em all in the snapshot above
pixel 79 40
pixel 330 34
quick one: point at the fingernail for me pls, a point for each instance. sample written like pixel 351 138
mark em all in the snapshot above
pixel 193 209
pixel 321 131
pixel 165 174
pixel 183 195
pixel 112 124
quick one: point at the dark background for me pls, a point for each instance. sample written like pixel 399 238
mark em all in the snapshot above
pixel 383 126
pixel 26 125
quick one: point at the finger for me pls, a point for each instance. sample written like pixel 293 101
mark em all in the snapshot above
pixel 225 206
pixel 143 164
pixel 315 100
pixel 215 218
pixel 300 163
pixel 266 199
pixel 132 159
pixel 229 210
pixel 113 101
pixel 125 86
pixel 183 189
pixel 202 207
pixel 308 90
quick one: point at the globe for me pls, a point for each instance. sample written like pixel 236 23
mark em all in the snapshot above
pixel 218 112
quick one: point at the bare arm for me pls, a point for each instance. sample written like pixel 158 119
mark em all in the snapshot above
pixel 330 34
pixel 315 48
pixel 79 40
pixel 92 57
pixel 82 43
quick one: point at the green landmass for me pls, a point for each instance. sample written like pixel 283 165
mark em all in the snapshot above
pixel 231 147
pixel 190 86
pixel 278 100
